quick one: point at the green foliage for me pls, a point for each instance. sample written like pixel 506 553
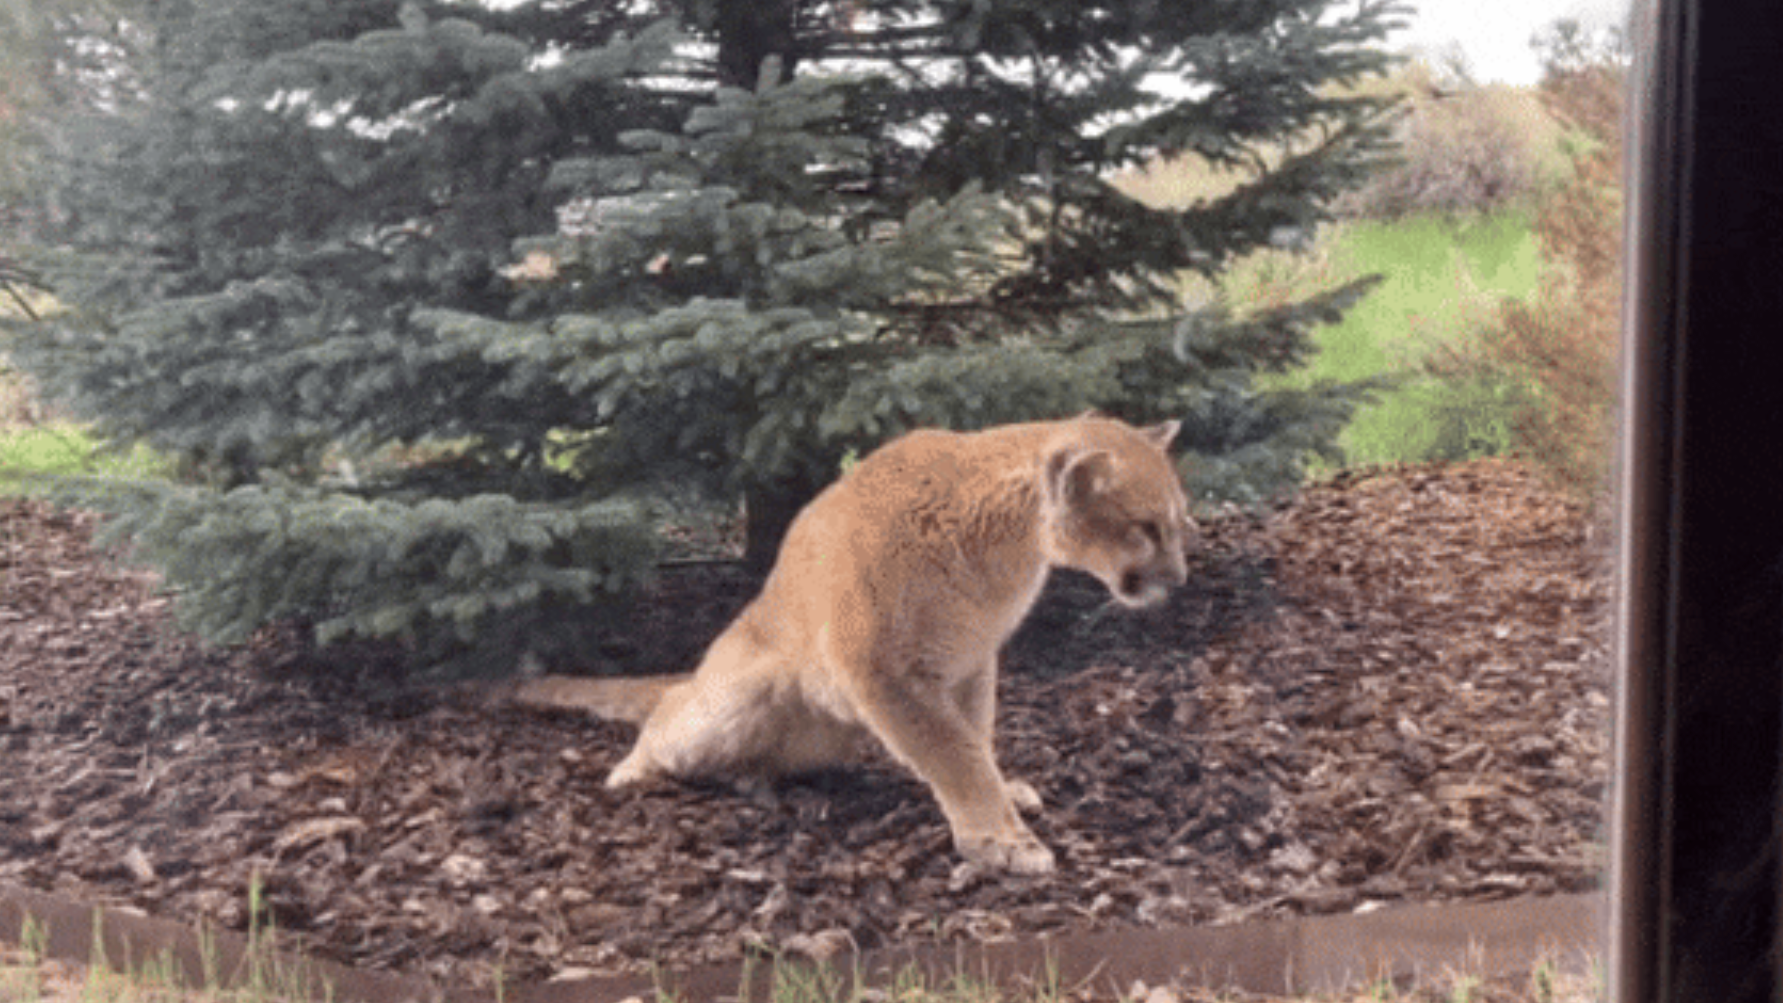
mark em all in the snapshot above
pixel 262 553
pixel 752 245
pixel 1441 273
pixel 1559 351
pixel 29 456
pixel 1428 418
pixel 1443 277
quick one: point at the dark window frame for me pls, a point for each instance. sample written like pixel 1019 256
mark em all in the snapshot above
pixel 1695 884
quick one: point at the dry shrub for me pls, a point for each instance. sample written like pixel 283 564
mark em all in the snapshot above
pixel 16 403
pixel 1463 147
pixel 23 296
pixel 1561 350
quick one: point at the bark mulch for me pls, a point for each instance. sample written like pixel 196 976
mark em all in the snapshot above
pixel 1393 689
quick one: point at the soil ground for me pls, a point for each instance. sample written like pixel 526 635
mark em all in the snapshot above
pixel 1392 689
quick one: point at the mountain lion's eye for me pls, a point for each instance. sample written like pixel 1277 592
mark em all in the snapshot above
pixel 1153 532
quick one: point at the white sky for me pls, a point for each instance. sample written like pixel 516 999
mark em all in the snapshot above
pixel 1494 34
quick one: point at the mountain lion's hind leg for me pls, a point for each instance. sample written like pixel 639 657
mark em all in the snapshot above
pixel 712 724
pixel 668 742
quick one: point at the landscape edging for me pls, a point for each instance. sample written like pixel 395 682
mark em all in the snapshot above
pixel 1302 954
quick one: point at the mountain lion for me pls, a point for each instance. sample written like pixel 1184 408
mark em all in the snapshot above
pixel 883 616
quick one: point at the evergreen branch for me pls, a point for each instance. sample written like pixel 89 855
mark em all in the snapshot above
pixel 292 270
pixel 14 275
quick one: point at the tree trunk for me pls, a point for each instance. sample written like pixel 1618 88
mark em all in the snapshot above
pixel 750 32
pixel 769 509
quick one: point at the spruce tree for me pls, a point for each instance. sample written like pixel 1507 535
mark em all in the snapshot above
pixel 55 56
pixel 436 303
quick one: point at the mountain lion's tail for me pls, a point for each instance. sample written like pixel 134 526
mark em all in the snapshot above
pixel 611 699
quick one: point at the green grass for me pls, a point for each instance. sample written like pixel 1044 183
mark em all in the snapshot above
pixel 64 449
pixel 1442 276
pixel 1437 271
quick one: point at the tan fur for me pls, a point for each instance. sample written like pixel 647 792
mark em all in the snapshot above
pixel 882 619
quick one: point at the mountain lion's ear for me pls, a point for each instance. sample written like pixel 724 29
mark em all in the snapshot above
pixel 1161 435
pixel 1074 473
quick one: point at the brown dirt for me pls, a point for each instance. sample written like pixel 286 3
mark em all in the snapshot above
pixel 1393 689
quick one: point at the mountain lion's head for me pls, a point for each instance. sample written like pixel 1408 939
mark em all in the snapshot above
pixel 1116 507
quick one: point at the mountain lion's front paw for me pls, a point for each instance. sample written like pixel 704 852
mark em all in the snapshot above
pixel 1027 800
pixel 633 769
pixel 1021 854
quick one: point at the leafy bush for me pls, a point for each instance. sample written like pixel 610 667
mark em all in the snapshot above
pixel 1470 417
pixel 1560 350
